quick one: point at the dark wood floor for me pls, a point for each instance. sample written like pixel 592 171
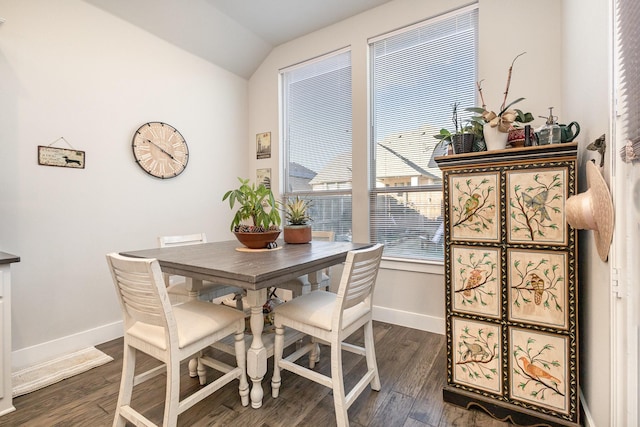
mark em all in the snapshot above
pixel 412 368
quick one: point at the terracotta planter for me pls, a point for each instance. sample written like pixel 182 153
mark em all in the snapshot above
pixel 257 240
pixel 297 233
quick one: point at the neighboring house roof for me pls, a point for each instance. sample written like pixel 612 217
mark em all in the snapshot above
pixel 299 177
pixel 299 171
pixel 337 170
pixel 403 154
pixel 407 154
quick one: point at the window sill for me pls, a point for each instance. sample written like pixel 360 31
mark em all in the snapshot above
pixel 412 265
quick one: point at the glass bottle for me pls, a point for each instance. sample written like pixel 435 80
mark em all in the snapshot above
pixel 550 132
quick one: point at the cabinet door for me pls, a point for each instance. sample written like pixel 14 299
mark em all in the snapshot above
pixel 538 287
pixel 536 204
pixel 476 280
pixel 539 369
pixel 477 355
pixel 474 207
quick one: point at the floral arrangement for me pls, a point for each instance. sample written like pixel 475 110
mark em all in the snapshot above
pixel 506 117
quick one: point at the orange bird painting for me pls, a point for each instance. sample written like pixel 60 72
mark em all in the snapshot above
pixel 537 372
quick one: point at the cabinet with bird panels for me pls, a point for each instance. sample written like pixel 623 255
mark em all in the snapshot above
pixel 511 284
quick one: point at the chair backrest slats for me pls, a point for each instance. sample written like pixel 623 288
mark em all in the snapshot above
pixel 142 297
pixel 182 240
pixel 326 236
pixel 359 278
pixel 179 240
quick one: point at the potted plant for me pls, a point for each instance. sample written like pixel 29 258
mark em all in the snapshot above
pixel 496 127
pixel 297 216
pixel 256 221
pixel 462 138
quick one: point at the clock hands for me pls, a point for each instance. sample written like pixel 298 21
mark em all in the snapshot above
pixel 164 151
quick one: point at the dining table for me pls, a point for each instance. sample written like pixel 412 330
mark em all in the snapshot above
pixel 230 263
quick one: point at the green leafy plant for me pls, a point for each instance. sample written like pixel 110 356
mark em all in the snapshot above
pixel 296 211
pixel 257 204
pixel 446 136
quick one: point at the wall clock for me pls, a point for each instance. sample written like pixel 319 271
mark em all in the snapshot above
pixel 160 150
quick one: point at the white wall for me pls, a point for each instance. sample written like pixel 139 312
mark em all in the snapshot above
pixel 69 69
pixel 586 94
pixel 412 294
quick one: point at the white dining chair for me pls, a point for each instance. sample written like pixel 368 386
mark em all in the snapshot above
pixel 177 286
pixel 170 334
pixel 302 285
pixel 331 318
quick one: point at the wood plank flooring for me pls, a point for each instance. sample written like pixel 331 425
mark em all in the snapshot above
pixel 412 366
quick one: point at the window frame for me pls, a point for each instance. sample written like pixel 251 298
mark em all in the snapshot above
pixel 374 190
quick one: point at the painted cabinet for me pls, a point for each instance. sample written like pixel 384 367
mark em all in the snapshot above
pixel 511 284
pixel 6 399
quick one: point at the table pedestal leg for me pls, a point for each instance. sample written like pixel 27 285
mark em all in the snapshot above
pixel 257 353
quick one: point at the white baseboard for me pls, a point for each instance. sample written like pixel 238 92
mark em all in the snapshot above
pixel 409 319
pixel 30 356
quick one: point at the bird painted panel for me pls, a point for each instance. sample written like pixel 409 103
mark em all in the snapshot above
pixel 473 207
pixel 538 287
pixel 476 280
pixel 535 206
pixel 478 360
pixel 538 363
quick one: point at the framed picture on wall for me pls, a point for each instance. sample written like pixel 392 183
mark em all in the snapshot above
pixel 263 176
pixel 263 145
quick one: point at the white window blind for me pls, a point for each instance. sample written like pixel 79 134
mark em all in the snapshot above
pixel 317 134
pixel 417 75
pixel 628 17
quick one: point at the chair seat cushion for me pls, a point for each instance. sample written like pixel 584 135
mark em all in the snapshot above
pixel 195 320
pixel 316 309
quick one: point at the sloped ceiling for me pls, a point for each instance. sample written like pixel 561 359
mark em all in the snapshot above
pixel 234 34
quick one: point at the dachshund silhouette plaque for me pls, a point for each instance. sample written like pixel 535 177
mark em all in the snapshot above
pixel 62 157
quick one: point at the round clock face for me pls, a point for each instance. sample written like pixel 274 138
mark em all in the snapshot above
pixel 160 150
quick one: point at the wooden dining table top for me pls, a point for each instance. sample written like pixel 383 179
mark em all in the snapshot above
pixel 229 263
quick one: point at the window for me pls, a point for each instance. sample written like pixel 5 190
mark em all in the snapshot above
pixel 417 74
pixel 317 135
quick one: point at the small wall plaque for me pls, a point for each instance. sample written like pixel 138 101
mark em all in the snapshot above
pixel 263 176
pixel 62 157
pixel 263 145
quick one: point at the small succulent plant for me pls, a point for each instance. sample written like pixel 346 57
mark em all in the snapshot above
pixel 296 211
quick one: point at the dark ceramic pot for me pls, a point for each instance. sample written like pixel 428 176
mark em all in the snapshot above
pixel 462 143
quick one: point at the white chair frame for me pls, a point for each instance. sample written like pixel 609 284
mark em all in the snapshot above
pixel 170 334
pixel 331 318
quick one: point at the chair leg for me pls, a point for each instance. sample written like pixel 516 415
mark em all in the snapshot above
pixel 126 383
pixel 278 348
pixel 172 393
pixel 314 355
pixel 241 360
pixel 238 298
pixel 193 367
pixel 202 369
pixel 370 354
pixel 339 397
